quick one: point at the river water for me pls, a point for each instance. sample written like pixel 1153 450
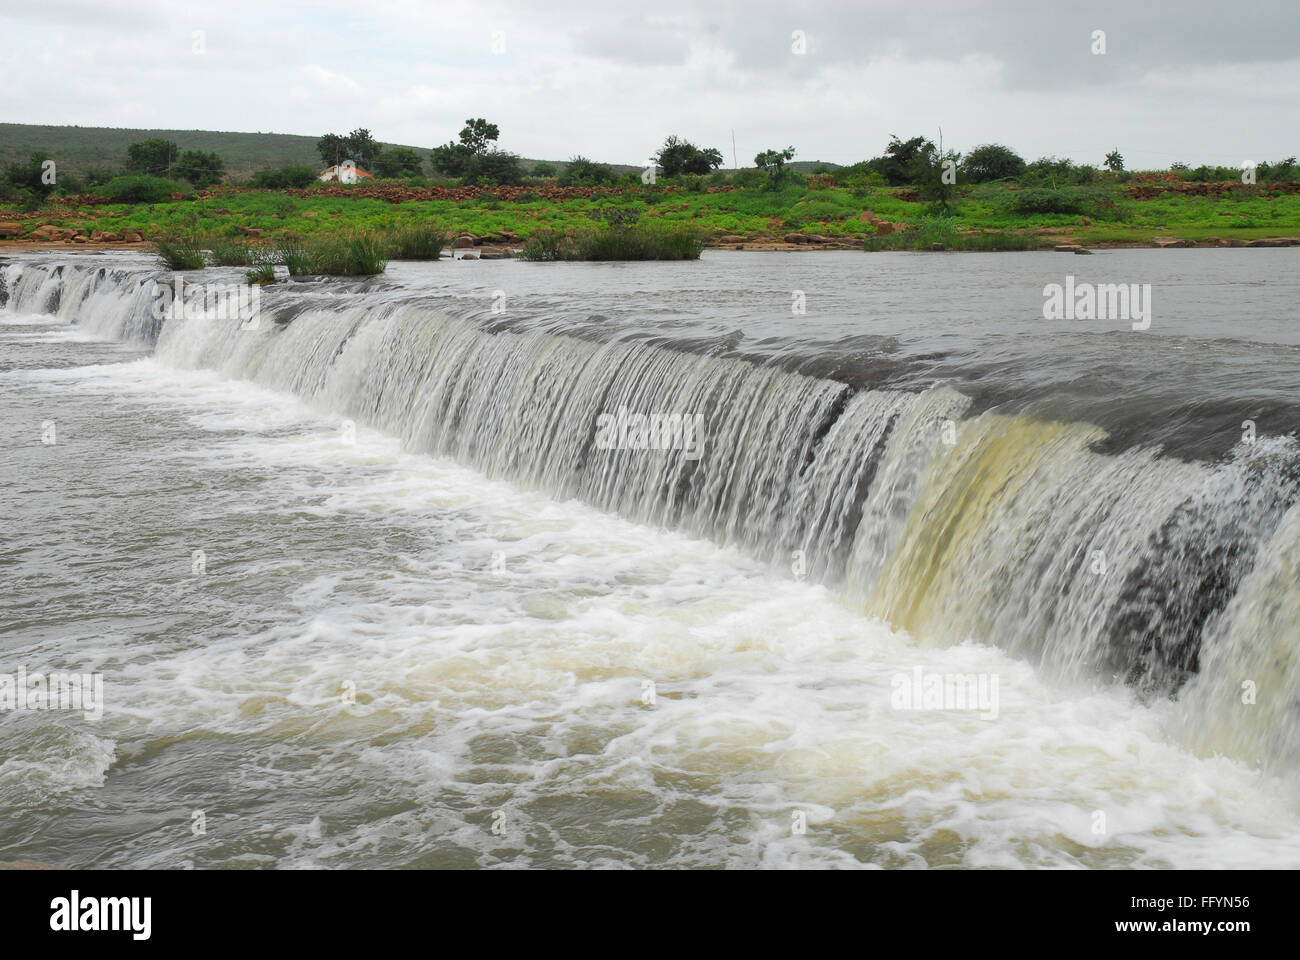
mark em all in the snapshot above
pixel 363 590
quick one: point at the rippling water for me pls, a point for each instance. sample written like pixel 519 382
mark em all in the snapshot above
pixel 428 608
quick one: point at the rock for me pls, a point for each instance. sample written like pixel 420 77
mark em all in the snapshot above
pixel 937 246
pixel 80 239
pixel 867 216
pixel 131 236
pixel 731 238
pixel 1170 242
pixel 1269 242
pixel 1067 248
pixel 109 237
pixel 883 226
pixel 310 213
pixel 250 231
pixel 495 255
pixel 46 231
pixel 463 241
pixel 10 230
pixel 900 227
pixel 96 236
pixel 1084 251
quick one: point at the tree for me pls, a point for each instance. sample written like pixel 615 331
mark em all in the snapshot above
pixel 199 168
pixel 358 146
pixel 681 156
pixel 474 160
pixel 1114 162
pixel 396 162
pixel 479 135
pixel 581 172
pixel 543 169
pixel 772 162
pixel 30 175
pixel 904 160
pixel 154 157
pixel 992 161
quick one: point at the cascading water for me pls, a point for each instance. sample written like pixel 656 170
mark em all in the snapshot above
pixel 1179 577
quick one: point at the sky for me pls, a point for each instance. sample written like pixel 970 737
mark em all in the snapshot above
pixel 1192 81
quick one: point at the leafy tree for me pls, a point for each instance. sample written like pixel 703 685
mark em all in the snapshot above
pixel 543 169
pixel 358 146
pixel 1114 162
pixel 904 160
pixel 396 162
pixel 199 168
pixel 992 161
pixel 581 172
pixel 772 162
pixel 154 156
pixel 681 156
pixel 30 175
pixel 479 135
pixel 474 159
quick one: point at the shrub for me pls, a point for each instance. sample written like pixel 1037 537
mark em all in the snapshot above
pixel 1083 201
pixel 139 188
pixel 992 161
pixel 581 172
pixel 181 251
pixel 283 178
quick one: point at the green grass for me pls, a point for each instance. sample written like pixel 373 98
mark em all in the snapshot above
pixel 616 243
pixel 261 274
pixel 228 252
pixel 992 209
pixel 181 251
pixel 417 241
pixel 350 253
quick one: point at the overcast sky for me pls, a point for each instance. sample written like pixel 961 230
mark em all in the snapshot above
pixel 1191 81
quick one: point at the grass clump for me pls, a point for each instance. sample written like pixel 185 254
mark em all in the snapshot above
pixel 616 243
pixel 296 258
pixel 417 241
pixel 359 253
pixel 229 252
pixel 261 274
pixel 181 251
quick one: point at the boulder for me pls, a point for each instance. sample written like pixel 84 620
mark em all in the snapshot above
pixel 795 238
pixel 463 241
pixel 883 226
pixel 10 230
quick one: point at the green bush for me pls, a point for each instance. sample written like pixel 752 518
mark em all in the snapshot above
pixel 139 188
pixel 283 178
pixel 1082 201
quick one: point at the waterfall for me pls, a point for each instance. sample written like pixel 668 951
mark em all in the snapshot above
pixel 1177 577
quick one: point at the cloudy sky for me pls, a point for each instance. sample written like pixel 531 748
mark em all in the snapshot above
pixel 1190 81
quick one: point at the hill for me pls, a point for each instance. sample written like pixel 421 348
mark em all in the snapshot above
pixel 79 148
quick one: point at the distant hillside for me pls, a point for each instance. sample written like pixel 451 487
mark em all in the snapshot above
pixel 77 148
pixel 82 147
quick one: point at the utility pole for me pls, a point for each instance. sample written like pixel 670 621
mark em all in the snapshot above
pixel 734 165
